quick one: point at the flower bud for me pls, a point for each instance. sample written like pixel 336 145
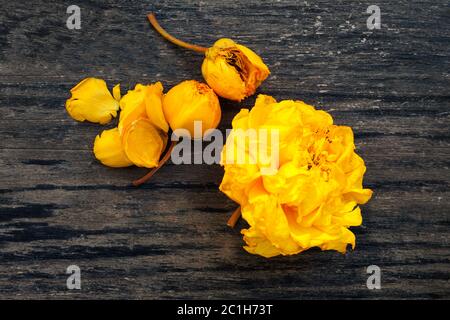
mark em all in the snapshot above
pixel 191 101
pixel 232 70
pixel 145 101
pixel 109 151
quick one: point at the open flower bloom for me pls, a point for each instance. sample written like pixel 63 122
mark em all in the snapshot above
pixel 232 70
pixel 312 198
pixel 109 151
pixel 92 101
pixel 191 101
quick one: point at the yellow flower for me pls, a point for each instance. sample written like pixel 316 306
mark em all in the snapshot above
pixel 141 135
pixel 312 199
pixel 109 151
pixel 191 101
pixel 232 70
pixel 143 143
pixel 92 101
pixel 145 101
pixel 142 125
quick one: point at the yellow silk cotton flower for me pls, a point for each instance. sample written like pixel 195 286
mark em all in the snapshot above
pixel 92 101
pixel 232 70
pixel 191 101
pixel 141 135
pixel 142 125
pixel 145 101
pixel 312 198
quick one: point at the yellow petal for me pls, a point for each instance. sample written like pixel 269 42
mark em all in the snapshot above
pixel 224 79
pixel 264 100
pixel 352 218
pixel 258 244
pixel 92 101
pixel 109 151
pixel 341 244
pixel 360 195
pixel 132 106
pixel 154 107
pixel 256 61
pixel 116 92
pixel 143 143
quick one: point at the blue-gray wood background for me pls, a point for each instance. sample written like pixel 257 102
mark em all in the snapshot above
pixel 169 239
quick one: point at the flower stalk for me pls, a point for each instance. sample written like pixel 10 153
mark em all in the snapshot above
pixel 234 218
pixel 152 19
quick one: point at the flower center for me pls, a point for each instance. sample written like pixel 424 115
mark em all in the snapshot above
pixel 234 58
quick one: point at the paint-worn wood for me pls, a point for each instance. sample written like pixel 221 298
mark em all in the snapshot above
pixel 169 239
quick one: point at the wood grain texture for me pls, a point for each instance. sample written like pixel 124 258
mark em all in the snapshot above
pixel 169 239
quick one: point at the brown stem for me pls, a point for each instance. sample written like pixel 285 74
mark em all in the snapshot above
pixel 147 177
pixel 151 17
pixel 234 218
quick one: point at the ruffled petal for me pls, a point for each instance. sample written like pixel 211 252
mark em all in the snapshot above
pixel 92 101
pixel 154 108
pixel 132 106
pixel 312 198
pixel 116 92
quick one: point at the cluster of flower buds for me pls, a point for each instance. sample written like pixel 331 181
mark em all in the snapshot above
pixel 230 70
pixel 146 114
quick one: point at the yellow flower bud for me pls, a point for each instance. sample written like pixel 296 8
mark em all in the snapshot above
pixel 233 71
pixel 145 101
pixel 143 143
pixel 191 101
pixel 109 151
pixel 92 101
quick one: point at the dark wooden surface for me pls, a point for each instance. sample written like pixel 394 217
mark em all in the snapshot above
pixel 169 239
